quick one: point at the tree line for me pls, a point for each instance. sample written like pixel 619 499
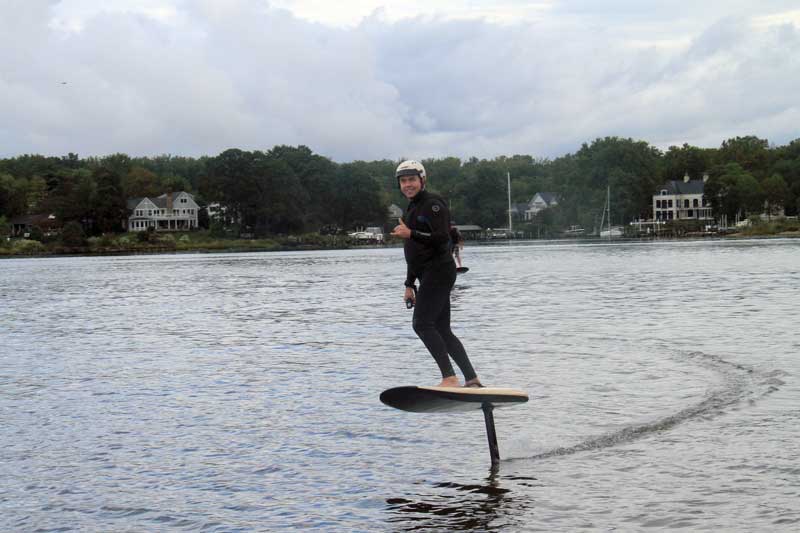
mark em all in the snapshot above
pixel 293 190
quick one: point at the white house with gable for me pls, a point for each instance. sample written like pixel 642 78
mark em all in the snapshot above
pixel 169 212
pixel 540 202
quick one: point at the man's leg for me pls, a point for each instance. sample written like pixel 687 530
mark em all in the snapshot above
pixel 454 346
pixel 430 303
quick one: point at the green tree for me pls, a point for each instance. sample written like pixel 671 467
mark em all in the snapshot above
pixel 230 179
pixel 13 196
pixel 260 191
pixel 74 197
pixel 118 164
pixel 776 193
pixel 357 199
pixel 721 191
pixel 444 176
pixel 750 152
pixel 750 194
pixel 282 196
pixel 787 165
pixel 37 193
pixel 5 229
pixel 485 194
pixel 71 161
pixel 178 173
pixel 174 183
pixel 731 190
pixel 27 166
pixel 679 161
pixel 109 208
pixel 140 182
pixel 72 235
pixel 317 176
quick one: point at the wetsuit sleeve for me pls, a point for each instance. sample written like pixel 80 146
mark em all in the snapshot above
pixel 410 278
pixel 439 222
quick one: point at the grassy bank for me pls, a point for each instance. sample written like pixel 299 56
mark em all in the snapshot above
pixel 777 228
pixel 197 241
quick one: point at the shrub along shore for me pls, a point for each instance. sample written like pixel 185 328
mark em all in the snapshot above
pixel 198 241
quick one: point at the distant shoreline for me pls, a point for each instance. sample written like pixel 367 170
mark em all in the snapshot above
pixel 239 246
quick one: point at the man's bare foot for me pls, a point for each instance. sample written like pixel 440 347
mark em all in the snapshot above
pixel 451 381
pixel 474 382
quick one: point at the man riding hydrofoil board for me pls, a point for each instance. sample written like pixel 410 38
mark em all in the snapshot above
pixel 425 227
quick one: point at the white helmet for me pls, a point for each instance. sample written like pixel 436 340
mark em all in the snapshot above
pixel 411 168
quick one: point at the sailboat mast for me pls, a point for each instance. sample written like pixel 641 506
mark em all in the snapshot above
pixel 608 202
pixel 508 176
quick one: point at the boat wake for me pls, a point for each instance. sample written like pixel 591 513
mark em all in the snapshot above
pixel 740 385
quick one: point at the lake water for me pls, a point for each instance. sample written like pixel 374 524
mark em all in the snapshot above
pixel 239 392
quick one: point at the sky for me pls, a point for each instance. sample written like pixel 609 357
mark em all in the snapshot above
pixel 372 79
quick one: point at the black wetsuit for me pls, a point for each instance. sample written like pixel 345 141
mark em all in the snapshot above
pixel 429 260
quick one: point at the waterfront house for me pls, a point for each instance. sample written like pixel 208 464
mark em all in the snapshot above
pixel 23 226
pixel 540 202
pixel 169 212
pixel 518 211
pixel 682 200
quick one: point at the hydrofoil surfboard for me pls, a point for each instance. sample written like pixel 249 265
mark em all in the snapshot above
pixel 450 399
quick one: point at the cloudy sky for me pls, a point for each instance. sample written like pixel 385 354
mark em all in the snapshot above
pixel 371 79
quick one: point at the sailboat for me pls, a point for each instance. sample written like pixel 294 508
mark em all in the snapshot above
pixel 612 231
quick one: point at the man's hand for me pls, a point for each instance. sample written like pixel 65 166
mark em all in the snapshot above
pixel 410 295
pixel 401 230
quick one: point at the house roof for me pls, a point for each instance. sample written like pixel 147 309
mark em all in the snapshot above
pixel 41 219
pixel 683 187
pixel 133 202
pixel 159 201
pixel 548 197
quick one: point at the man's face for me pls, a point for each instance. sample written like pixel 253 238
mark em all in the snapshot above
pixel 410 185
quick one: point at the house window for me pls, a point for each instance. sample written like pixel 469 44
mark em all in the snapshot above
pixel 691 214
pixel 663 192
pixel 670 204
pixel 686 203
pixel 658 204
pixel 694 203
pixel 183 200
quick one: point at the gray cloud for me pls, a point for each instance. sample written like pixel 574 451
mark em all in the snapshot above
pixel 239 74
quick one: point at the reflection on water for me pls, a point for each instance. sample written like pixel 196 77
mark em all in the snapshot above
pixel 450 506
pixel 240 392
